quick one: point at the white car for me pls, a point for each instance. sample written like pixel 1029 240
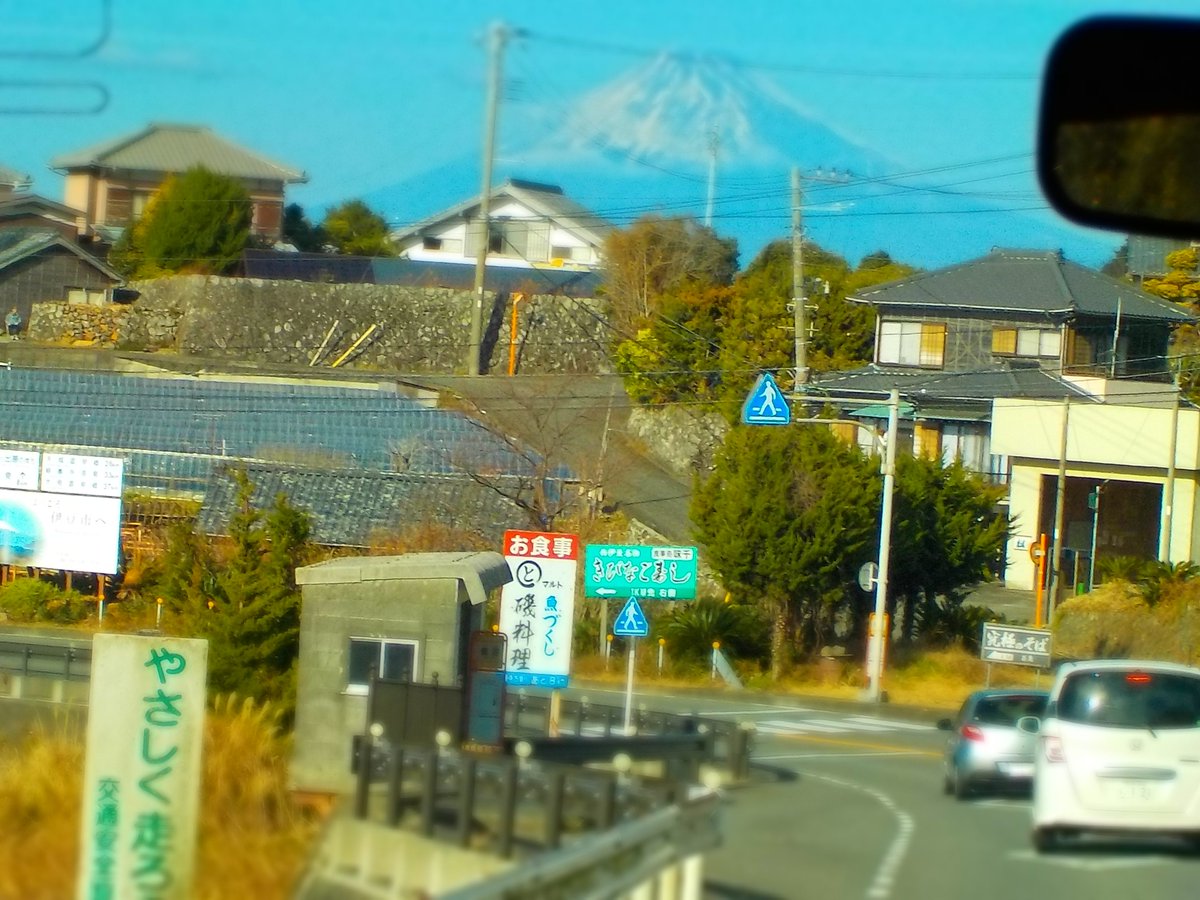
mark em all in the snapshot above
pixel 1119 752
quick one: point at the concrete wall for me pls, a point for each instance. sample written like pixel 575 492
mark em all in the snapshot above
pixel 424 610
pixel 421 329
pixel 684 440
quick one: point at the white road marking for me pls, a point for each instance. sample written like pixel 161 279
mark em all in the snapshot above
pixel 782 726
pixel 885 875
pixel 1090 863
pixel 893 723
pixel 838 755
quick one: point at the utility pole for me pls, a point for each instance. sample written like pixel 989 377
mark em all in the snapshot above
pixel 498 35
pixel 799 308
pixel 879 633
pixel 1168 527
pixel 1059 512
pixel 714 143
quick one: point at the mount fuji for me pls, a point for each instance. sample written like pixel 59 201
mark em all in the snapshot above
pixel 644 143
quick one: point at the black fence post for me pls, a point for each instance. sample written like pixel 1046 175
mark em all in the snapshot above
pixel 395 793
pixel 508 811
pixel 362 787
pixel 608 803
pixel 555 795
pixel 466 799
pixel 429 792
pixel 580 715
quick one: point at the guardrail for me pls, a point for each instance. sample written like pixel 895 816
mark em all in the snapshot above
pixel 39 668
pixel 534 714
pixel 576 831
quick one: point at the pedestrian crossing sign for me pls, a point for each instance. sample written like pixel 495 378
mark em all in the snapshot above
pixel 766 405
pixel 631 621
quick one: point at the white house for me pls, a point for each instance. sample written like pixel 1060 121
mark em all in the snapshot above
pixel 531 226
pixel 1117 452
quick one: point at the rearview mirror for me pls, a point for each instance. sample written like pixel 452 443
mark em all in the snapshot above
pixel 945 725
pixel 1120 125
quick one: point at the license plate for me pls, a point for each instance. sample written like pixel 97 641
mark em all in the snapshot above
pixel 1128 790
pixel 1017 770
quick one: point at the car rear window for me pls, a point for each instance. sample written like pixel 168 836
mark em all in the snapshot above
pixel 1131 699
pixel 1005 710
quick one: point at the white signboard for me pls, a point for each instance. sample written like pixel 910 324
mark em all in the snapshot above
pixel 537 608
pixel 20 469
pixel 141 787
pixel 58 531
pixel 95 476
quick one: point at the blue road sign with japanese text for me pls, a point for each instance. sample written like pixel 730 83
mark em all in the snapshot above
pixel 765 404
pixel 631 621
pixel 630 570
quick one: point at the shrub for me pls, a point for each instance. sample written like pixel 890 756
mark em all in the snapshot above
pixel 33 600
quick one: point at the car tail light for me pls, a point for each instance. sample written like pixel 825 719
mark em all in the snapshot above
pixel 971 732
pixel 1138 678
pixel 1053 748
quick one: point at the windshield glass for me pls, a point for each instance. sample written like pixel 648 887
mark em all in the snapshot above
pixel 1007 709
pixel 1126 699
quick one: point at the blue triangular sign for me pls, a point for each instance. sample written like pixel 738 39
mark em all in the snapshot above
pixel 631 621
pixel 766 405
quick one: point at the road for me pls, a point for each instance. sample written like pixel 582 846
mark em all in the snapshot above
pixel 846 803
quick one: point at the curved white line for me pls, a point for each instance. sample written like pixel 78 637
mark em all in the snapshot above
pixel 885 875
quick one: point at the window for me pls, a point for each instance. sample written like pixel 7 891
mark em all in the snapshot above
pixel 1127 698
pixel 429 242
pixel 912 343
pixel 1028 342
pixel 393 660
pixel 77 296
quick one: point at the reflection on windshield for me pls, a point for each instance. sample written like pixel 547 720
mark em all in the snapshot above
pixel 1142 166
pixel 1122 699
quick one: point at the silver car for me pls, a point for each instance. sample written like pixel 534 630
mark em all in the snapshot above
pixel 985 749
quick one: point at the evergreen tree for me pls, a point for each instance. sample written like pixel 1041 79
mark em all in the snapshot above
pixel 355 229
pixel 197 222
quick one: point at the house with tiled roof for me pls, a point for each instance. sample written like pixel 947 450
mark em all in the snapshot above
pixel 530 225
pixel 1031 333
pixel 38 264
pixel 112 181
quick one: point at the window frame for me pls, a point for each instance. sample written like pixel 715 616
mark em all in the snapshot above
pixel 919 344
pixel 360 687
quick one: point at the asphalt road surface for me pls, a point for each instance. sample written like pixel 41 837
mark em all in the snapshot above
pixel 846 802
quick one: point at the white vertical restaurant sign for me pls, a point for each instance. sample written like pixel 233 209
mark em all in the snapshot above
pixel 537 608
pixel 141 789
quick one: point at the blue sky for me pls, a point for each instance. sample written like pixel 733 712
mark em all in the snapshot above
pixel 366 94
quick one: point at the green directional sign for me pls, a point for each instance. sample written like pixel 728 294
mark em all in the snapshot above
pixel 631 570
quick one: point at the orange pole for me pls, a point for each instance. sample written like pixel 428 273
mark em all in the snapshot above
pixel 1041 581
pixel 512 338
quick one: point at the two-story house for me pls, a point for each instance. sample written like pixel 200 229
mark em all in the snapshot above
pixel 1032 334
pixel 530 225
pixel 111 182
pixel 1014 323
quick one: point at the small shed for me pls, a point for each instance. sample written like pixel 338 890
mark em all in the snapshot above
pixel 406 617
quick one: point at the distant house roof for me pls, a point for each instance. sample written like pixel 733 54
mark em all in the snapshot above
pixel 352 508
pixel 942 391
pixel 17 244
pixel 11 178
pixel 25 204
pixel 1027 282
pixel 545 200
pixel 1146 256
pixel 281 266
pixel 177 148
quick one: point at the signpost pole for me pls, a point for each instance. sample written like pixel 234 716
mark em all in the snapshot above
pixel 629 687
pixel 879 638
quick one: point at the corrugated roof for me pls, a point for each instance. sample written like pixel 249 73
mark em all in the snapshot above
pixel 17 244
pixel 923 388
pixel 176 148
pixel 1028 282
pixel 544 200
pixel 23 203
pixel 353 508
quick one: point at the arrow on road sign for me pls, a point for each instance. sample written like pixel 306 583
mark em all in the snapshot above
pixel 631 621
pixel 605 592
pixel 765 405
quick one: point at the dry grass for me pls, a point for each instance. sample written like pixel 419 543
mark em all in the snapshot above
pixel 932 678
pixel 253 841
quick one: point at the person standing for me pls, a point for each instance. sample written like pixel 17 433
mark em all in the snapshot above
pixel 12 324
